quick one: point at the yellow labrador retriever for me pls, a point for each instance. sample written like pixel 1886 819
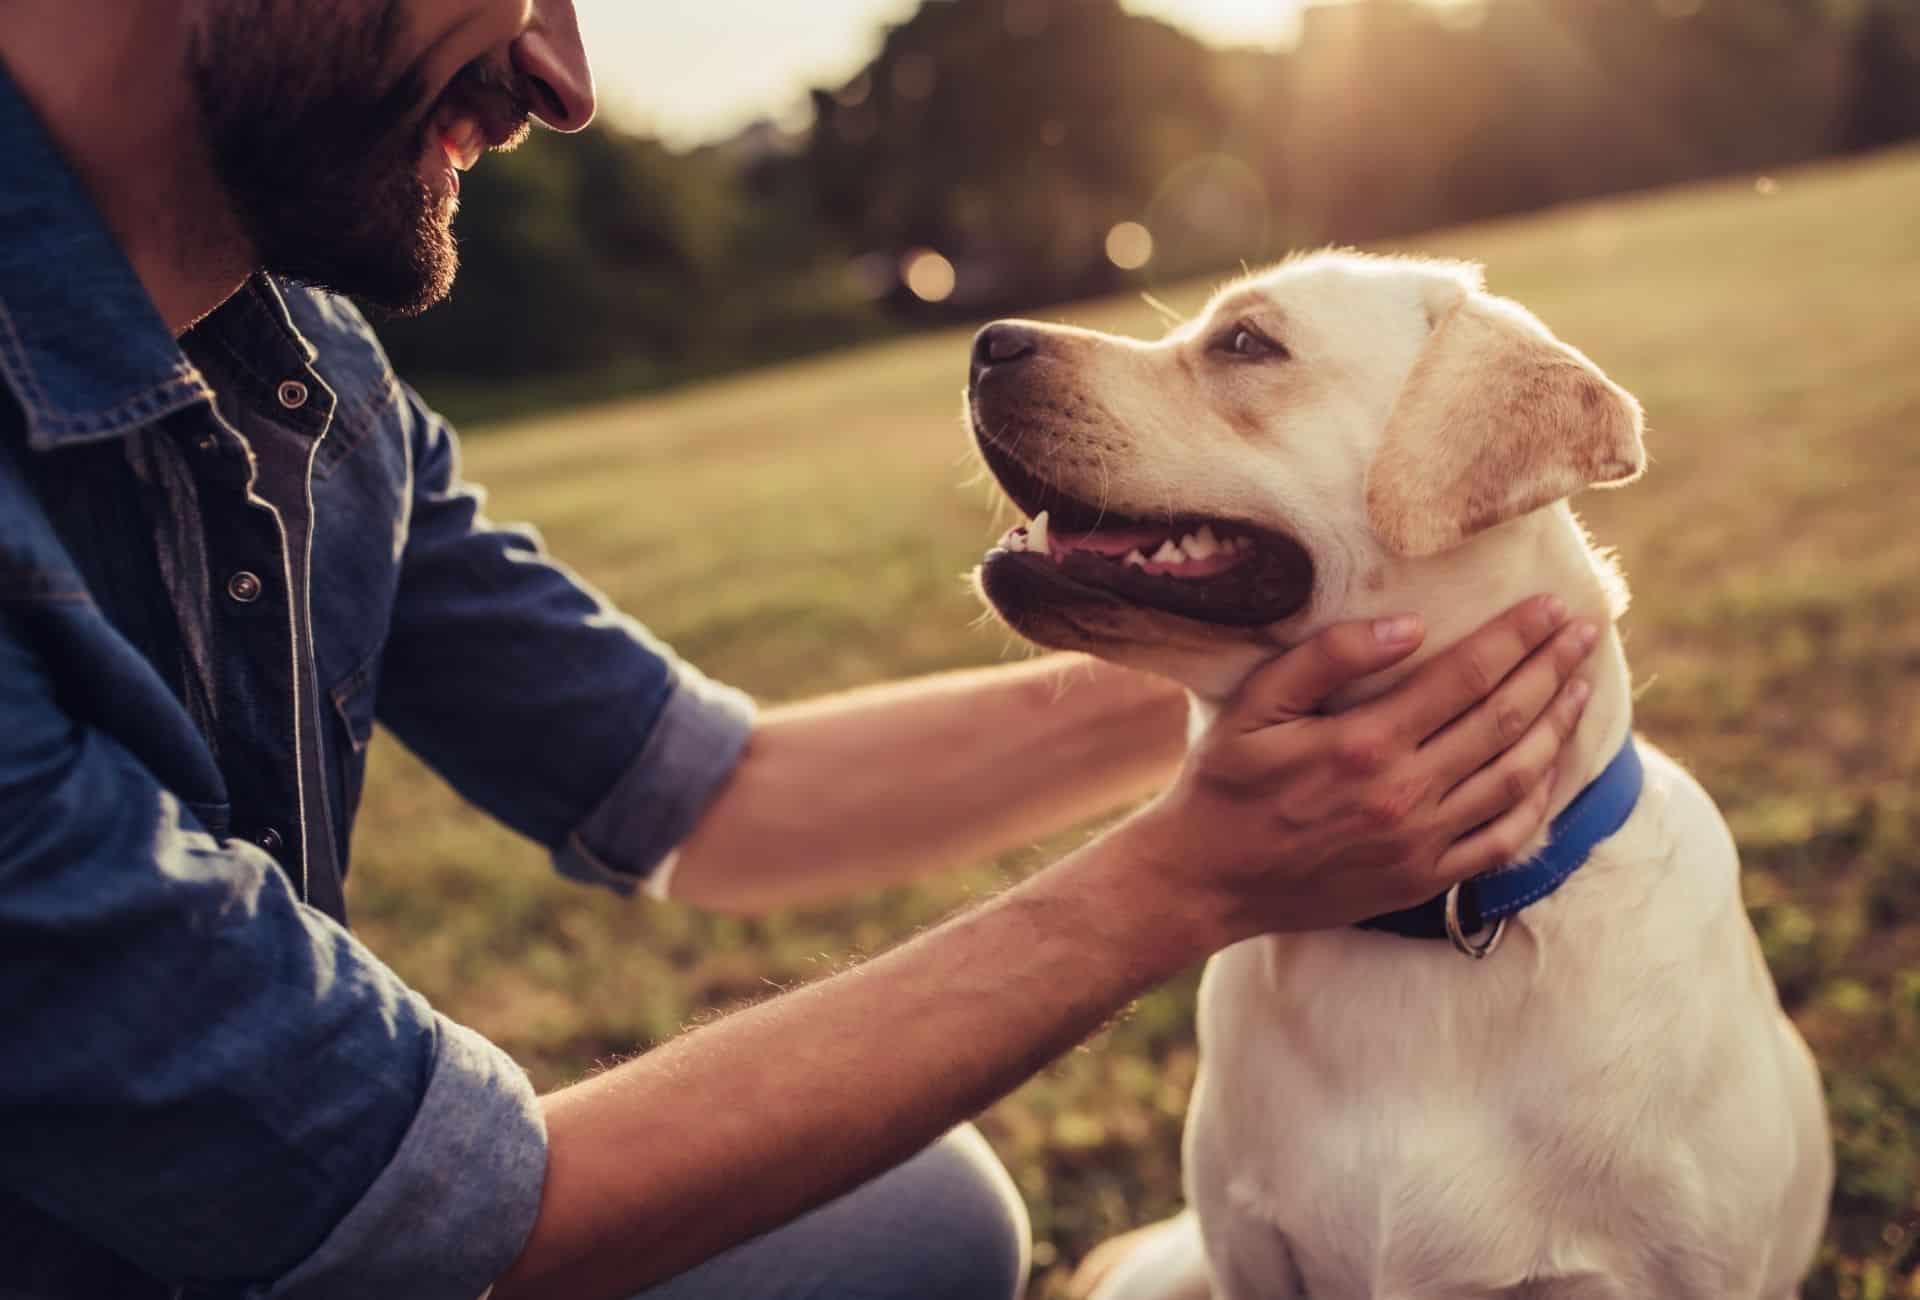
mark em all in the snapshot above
pixel 1611 1104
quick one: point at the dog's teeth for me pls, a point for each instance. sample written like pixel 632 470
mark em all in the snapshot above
pixel 1168 554
pixel 1201 545
pixel 1037 536
pixel 1135 560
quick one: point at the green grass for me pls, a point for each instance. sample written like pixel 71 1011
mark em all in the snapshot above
pixel 805 528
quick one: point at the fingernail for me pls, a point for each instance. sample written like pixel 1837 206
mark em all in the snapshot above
pixel 1578 692
pixel 1587 635
pixel 1556 610
pixel 1393 631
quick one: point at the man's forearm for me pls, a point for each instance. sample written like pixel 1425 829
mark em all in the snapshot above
pixel 868 788
pixel 744 1124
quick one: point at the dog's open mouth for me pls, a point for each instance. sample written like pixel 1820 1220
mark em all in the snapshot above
pixel 1211 570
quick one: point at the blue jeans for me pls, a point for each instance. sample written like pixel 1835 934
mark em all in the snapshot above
pixel 947 1225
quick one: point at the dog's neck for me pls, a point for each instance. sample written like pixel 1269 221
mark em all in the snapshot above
pixel 1459 591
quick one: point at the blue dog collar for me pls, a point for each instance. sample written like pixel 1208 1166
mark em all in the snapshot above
pixel 1596 813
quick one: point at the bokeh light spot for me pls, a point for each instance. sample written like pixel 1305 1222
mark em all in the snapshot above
pixel 915 76
pixel 1460 15
pixel 1211 210
pixel 1129 246
pixel 929 276
pixel 1027 17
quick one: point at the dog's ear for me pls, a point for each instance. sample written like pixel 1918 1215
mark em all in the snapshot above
pixel 1498 418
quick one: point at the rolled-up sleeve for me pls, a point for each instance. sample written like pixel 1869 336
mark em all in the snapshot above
pixel 474 1155
pixel 537 699
pixel 208 1078
pixel 634 833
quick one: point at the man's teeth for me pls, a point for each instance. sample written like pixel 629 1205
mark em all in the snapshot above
pixel 464 141
pixel 1135 560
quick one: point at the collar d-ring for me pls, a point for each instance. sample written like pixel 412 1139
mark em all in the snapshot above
pixel 1462 943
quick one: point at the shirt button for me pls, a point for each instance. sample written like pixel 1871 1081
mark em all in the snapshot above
pixel 269 839
pixel 244 587
pixel 207 443
pixel 293 394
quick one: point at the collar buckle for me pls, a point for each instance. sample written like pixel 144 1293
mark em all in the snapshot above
pixel 1463 943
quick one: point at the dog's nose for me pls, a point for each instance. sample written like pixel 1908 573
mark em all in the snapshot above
pixel 1001 343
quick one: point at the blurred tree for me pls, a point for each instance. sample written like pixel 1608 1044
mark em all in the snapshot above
pixel 1012 135
pixel 610 253
pixel 1884 104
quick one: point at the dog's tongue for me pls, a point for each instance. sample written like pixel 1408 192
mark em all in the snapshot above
pixel 1111 541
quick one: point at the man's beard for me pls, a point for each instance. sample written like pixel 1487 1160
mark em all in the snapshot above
pixel 320 154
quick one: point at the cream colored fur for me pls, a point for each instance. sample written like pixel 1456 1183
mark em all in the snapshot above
pixel 1497 420
pixel 1614 1105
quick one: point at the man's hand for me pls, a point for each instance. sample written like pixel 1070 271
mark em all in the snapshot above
pixel 1290 820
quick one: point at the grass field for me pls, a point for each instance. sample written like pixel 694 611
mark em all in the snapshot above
pixel 805 528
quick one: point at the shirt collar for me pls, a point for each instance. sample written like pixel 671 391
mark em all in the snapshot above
pixel 82 346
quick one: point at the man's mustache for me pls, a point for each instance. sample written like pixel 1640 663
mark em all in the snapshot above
pixel 497 97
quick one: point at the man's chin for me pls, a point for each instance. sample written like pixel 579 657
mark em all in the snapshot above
pixel 422 286
pixel 400 272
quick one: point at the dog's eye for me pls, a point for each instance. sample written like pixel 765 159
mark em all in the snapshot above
pixel 1249 344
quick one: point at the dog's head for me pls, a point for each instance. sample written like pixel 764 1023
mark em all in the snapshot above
pixel 1291 457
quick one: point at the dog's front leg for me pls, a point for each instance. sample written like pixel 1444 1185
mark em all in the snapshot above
pixel 1164 1262
pixel 1249 1258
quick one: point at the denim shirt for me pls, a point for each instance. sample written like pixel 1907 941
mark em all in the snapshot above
pixel 222 559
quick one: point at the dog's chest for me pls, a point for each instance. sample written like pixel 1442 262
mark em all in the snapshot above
pixel 1407 1123
pixel 1384 1167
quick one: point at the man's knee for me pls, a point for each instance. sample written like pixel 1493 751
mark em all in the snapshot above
pixel 947 1225
pixel 979 1242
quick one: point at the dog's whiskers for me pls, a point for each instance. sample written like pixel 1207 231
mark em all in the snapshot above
pixel 1106 486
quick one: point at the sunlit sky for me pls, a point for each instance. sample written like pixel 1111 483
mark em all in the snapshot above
pixel 696 70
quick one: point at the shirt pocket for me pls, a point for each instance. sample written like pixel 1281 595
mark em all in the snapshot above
pixel 352 727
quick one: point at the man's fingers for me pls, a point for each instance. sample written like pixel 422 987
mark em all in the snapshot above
pixel 1301 680
pixel 1498 843
pixel 1468 672
pixel 1539 687
pixel 1508 782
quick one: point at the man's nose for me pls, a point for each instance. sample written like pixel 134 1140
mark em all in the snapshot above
pixel 1003 343
pixel 552 59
